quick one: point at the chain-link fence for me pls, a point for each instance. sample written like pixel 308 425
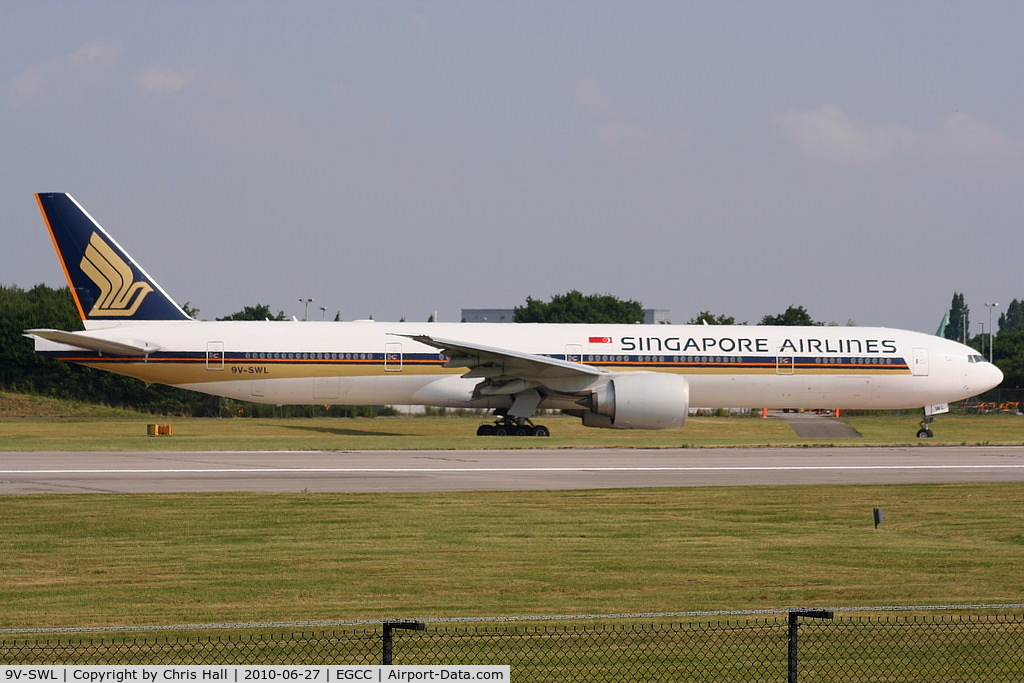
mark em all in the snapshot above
pixel 805 645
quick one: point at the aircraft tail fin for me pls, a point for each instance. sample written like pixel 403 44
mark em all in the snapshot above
pixel 106 283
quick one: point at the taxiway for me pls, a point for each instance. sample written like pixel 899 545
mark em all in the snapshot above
pixel 493 470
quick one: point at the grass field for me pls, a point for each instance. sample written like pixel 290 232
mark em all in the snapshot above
pixel 80 560
pixel 454 433
pixel 36 423
pixel 188 558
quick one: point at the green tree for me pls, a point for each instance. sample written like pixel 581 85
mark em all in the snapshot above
pixel 41 307
pixel 1008 345
pixel 1008 355
pixel 959 324
pixel 1013 319
pixel 709 318
pixel 574 307
pixel 257 312
pixel 794 315
pixel 21 369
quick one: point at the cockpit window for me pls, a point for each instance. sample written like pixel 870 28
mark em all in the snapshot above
pixel 976 359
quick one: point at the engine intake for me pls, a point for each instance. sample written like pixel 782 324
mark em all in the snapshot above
pixel 640 400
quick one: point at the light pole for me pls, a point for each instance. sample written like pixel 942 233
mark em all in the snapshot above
pixel 323 313
pixel 990 307
pixel 305 316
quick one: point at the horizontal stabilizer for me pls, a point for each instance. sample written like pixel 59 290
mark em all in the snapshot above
pixel 89 343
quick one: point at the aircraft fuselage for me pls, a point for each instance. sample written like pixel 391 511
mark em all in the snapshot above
pixel 289 362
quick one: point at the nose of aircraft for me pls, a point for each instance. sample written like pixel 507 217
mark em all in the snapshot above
pixel 987 376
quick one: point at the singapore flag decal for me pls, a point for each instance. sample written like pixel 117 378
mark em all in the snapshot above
pixel 600 340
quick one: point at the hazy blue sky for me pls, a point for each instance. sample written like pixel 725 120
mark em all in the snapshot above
pixel 862 159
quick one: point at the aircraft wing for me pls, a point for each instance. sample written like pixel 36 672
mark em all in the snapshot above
pixel 506 371
pixel 90 343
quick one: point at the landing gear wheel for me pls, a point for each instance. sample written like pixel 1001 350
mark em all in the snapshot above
pixel 924 432
pixel 506 425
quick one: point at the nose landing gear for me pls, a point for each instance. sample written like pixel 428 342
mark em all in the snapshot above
pixel 928 417
pixel 924 432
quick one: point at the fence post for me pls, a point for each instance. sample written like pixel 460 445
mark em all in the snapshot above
pixel 794 624
pixel 387 641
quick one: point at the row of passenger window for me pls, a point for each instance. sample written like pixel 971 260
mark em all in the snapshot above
pixel 593 359
pixel 734 360
pixel 309 356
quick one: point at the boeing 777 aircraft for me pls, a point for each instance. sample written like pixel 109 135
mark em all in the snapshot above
pixel 616 376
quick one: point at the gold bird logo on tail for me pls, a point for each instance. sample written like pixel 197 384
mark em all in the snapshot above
pixel 120 294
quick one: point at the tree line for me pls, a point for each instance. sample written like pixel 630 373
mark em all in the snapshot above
pixel 1005 347
pixel 21 370
pixel 575 307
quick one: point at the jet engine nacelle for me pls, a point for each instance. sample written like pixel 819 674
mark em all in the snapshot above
pixel 640 400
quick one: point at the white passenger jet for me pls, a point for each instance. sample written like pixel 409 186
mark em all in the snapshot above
pixel 616 376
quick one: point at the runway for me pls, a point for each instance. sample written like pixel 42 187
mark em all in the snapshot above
pixel 497 470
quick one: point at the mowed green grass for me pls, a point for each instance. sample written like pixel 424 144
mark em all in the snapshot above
pixel 454 433
pixel 29 422
pixel 88 560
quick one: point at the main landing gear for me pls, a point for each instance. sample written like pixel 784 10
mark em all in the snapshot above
pixel 506 425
